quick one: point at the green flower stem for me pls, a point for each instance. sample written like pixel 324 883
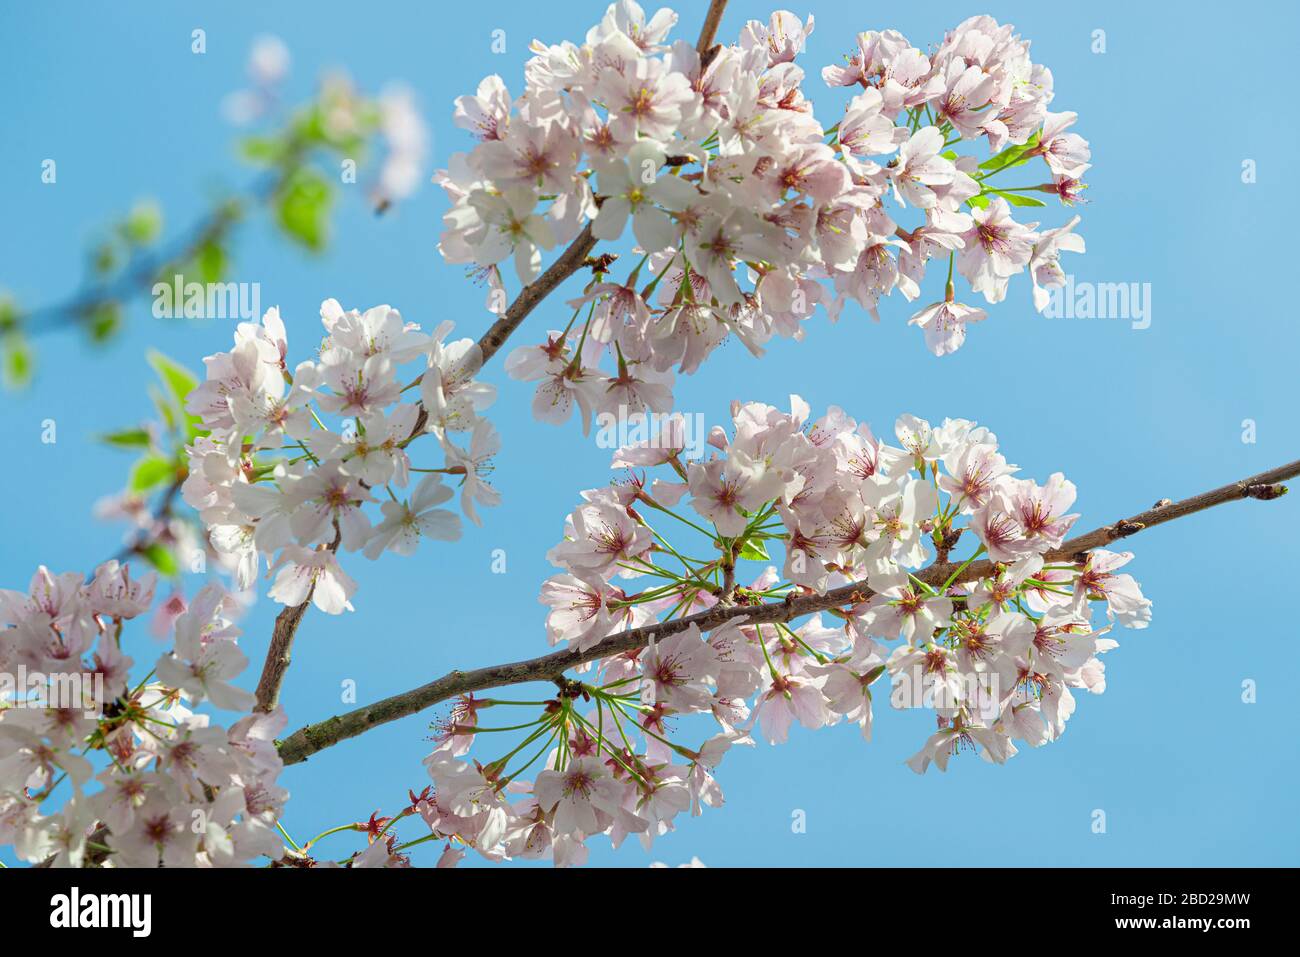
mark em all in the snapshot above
pixel 820 658
pixel 758 630
pixel 610 751
pixel 554 722
pixel 667 511
pixel 285 834
pixel 324 834
pixel 514 727
pixel 531 761
pixel 923 586
pixel 419 840
pixel 953 577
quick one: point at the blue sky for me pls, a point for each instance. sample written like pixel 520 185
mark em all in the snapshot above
pixel 1184 770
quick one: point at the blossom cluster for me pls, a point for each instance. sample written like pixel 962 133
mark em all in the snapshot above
pixel 745 212
pixel 274 484
pixel 342 115
pixel 174 788
pixel 994 646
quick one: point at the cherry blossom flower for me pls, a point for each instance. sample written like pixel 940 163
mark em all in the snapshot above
pixel 635 187
pixel 603 536
pixel 920 167
pixel 513 230
pixel 472 464
pixel 945 325
pixel 1045 263
pixel 312 574
pixel 1124 600
pixel 578 796
pixel 113 593
pixel 678 670
pixel 487 113
pixel 997 247
pixel 1067 154
pixel 788 699
pixel 580 614
pixel 406 523
pixel 206 656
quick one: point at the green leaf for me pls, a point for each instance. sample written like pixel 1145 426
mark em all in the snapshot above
pixel 210 261
pixel 308 126
pixel 311 127
pixel 128 439
pixel 165 409
pixel 103 321
pixel 150 472
pixel 161 558
pixel 179 380
pixel 978 202
pixel 143 225
pixel 104 258
pixel 304 208
pixel 755 550
pixel 1011 156
pixel 1019 199
pixel 18 361
pixel 262 150
pixel 8 313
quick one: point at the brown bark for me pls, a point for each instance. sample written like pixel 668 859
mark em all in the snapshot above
pixel 315 737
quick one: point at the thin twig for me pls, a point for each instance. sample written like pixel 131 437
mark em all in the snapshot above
pixel 276 667
pixel 278 656
pixel 710 29
pixel 570 261
pixel 315 737
pixel 161 512
pixel 144 270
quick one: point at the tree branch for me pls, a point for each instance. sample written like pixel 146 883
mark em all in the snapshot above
pixel 278 656
pixel 530 296
pixel 569 262
pixel 139 274
pixel 308 740
pixel 710 29
pixel 163 510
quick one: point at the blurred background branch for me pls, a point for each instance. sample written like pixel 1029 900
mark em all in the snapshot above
pixel 302 154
